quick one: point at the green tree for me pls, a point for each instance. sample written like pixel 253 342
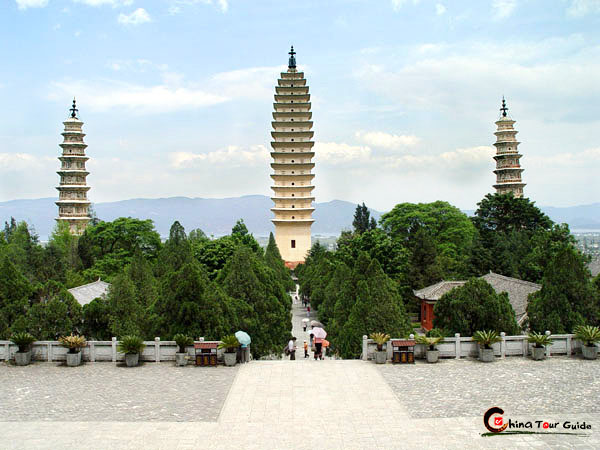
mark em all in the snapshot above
pixel 567 297
pixel 15 291
pixel 362 219
pixel 126 313
pixel 96 317
pixel 475 306
pixel 56 315
pixel 274 261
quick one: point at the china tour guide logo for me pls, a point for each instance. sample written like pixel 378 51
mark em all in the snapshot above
pixel 497 425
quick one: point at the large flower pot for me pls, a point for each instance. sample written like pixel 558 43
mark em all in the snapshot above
pixel 589 351
pixel 230 358
pixel 486 354
pixel 432 356
pixel 181 359
pixel 132 359
pixel 380 357
pixel 23 358
pixel 73 359
pixel 538 353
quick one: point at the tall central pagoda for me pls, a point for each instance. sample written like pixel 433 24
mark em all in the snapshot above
pixel 73 205
pixel 292 164
pixel 508 166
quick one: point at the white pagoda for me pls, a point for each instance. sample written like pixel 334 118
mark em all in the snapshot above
pixel 292 164
pixel 508 167
pixel 73 205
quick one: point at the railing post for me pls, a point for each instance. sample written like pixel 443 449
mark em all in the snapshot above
pixel 7 351
pixel 503 345
pixel 548 353
pixel 364 347
pixel 114 349
pixel 524 345
pixel 49 352
pixel 157 349
pixel 457 348
pixel 569 345
pixel 92 351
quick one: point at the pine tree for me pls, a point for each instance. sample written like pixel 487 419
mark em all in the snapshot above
pixel 126 312
pixel 274 261
pixel 15 291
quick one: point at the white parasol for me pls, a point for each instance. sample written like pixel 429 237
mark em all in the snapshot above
pixel 319 333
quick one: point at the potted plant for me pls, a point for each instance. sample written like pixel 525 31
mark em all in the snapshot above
pixel 23 341
pixel 182 342
pixel 432 353
pixel 539 341
pixel 380 354
pixel 485 339
pixel 132 346
pixel 588 335
pixel 74 344
pixel 230 344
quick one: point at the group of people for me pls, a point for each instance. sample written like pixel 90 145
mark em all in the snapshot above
pixel 316 345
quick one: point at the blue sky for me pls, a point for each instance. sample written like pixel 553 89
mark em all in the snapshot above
pixel 176 95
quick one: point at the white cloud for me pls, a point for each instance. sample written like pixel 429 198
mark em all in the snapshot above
pixel 398 4
pixel 503 8
pixel 24 4
pixel 341 153
pixel 386 140
pixel 440 9
pixel 137 17
pixel 231 156
pixel 177 5
pixel 113 3
pixel 580 8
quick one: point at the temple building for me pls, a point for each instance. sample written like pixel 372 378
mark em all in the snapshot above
pixel 73 205
pixel 292 152
pixel 508 167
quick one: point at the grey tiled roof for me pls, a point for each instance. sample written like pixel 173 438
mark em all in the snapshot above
pixel 88 292
pixel 517 291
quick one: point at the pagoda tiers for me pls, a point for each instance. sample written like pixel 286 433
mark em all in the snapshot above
pixel 292 164
pixel 73 205
pixel 508 167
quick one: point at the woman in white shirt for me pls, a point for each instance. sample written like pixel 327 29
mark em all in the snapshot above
pixel 292 348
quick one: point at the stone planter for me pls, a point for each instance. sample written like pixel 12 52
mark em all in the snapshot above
pixel 380 357
pixel 432 356
pixel 486 354
pixel 589 351
pixel 74 359
pixel 181 359
pixel 230 358
pixel 538 353
pixel 132 359
pixel 23 358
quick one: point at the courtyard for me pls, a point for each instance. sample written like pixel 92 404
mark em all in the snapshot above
pixel 334 404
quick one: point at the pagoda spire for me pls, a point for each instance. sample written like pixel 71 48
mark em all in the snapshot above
pixel 73 205
pixel 292 60
pixel 292 153
pixel 508 166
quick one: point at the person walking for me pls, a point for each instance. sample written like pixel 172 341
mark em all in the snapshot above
pixel 292 348
pixel 305 349
pixel 318 347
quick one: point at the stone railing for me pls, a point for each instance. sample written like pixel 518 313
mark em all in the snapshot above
pixel 155 350
pixel 462 347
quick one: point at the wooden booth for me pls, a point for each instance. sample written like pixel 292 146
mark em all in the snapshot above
pixel 403 351
pixel 206 353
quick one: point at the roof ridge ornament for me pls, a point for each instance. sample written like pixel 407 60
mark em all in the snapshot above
pixel 292 60
pixel 504 107
pixel 74 110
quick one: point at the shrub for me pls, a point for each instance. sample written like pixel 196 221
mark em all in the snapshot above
pixel 23 341
pixel 229 343
pixel 587 334
pixel 182 341
pixel 131 344
pixel 73 342
pixel 486 338
pixel 380 339
pixel 539 340
pixel 431 341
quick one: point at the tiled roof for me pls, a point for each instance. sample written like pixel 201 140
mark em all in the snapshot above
pixel 206 345
pixel 517 290
pixel 435 291
pixel 403 343
pixel 88 292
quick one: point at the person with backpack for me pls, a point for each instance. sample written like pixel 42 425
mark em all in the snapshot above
pixel 291 348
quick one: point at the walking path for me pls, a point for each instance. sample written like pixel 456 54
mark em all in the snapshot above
pixel 332 404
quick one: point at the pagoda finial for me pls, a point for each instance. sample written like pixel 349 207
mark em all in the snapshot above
pixel 504 108
pixel 74 110
pixel 292 60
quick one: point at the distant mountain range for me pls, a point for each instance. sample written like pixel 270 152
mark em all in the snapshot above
pixel 217 216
